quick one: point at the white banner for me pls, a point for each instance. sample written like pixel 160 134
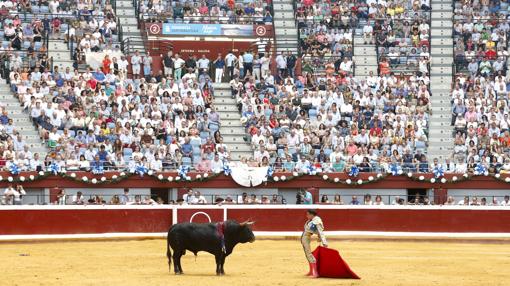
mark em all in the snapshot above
pixel 249 176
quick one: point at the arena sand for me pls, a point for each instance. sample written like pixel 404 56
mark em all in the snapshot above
pixel 265 262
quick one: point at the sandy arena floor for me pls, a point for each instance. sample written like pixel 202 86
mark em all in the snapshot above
pixel 265 262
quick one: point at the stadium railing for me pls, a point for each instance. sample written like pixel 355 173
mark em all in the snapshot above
pixel 339 198
pixel 101 198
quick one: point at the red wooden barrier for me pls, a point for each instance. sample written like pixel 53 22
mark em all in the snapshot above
pixel 157 219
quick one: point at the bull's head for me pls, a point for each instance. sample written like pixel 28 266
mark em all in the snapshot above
pixel 246 234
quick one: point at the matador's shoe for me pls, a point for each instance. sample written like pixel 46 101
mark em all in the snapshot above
pixel 314 272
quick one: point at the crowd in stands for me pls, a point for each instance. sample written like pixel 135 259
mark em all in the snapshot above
pixel 207 12
pixel 104 119
pixel 332 122
pixel 479 94
pixel 326 36
pixel 86 26
pixel 401 33
pixel 481 37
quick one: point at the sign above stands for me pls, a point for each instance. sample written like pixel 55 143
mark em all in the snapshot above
pixel 205 30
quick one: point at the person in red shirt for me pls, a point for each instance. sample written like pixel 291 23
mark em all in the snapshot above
pixel 491 54
pixel 106 64
pixel 208 147
pixel 375 131
pixel 92 82
pixel 56 25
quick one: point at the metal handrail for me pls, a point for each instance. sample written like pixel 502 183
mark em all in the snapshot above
pixel 203 19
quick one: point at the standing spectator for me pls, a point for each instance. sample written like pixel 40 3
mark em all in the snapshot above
pixel 13 196
pixel 307 198
pixel 178 65
pixel 125 198
pixel 281 64
pixel 248 63
pixel 147 65
pixel 168 64
pixel 61 197
pixel 136 61
pixel 191 64
pixel 198 199
pixel 291 64
pixel 264 66
pixel 219 65
pixel 230 60
pixel 203 65
pixel 256 67
pixel 187 198
pixel 79 199
pixel 123 65
pixel 240 64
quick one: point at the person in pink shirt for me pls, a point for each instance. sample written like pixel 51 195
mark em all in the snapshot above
pixel 352 149
pixel 470 114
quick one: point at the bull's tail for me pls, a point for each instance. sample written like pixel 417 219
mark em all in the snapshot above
pixel 169 255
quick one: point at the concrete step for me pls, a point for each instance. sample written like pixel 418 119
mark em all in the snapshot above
pixel 231 122
pixel 227 108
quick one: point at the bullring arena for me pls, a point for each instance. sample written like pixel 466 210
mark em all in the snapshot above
pixel 266 262
pixel 376 132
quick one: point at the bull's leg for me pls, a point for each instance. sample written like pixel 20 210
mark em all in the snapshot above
pixel 218 264
pixel 177 261
pixel 180 266
pixel 222 271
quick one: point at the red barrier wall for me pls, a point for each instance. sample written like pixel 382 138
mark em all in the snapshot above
pixel 157 219
pixel 394 220
pixel 84 221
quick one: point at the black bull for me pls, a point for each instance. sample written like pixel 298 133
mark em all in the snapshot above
pixel 206 237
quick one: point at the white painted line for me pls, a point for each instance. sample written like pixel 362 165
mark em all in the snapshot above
pixel 136 235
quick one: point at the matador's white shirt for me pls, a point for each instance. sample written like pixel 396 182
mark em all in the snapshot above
pixel 315 226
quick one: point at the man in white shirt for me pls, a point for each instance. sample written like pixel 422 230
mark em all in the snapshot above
pixel 216 164
pixel 178 65
pixel 188 197
pixel 123 65
pixel 203 65
pixel 198 199
pixel 264 66
pixel 260 154
pixel 281 64
pixel 230 59
pixel 346 66
pixel 136 60
pixel 79 199
pixel 368 34
pixel 302 165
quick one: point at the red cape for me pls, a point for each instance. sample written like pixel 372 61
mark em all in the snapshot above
pixel 330 264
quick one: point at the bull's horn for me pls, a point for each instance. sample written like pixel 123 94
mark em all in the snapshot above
pixel 248 222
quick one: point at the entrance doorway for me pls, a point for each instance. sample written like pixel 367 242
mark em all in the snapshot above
pixel 160 193
pixel 413 194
